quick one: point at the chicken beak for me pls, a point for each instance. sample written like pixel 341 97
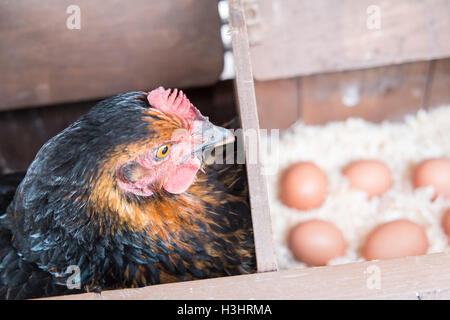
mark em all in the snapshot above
pixel 214 136
pixel 209 136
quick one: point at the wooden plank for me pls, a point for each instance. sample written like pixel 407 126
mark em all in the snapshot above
pixel 278 103
pixel 259 202
pixel 439 84
pixel 436 294
pixel 302 37
pixel 383 93
pixel 412 278
pixel 120 47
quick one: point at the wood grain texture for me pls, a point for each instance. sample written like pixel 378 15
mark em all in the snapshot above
pixel 278 103
pixel 377 94
pixel 422 277
pixel 265 254
pixel 121 46
pixel 435 294
pixel 439 84
pixel 301 37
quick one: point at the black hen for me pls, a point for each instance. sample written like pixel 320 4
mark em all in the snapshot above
pixel 124 197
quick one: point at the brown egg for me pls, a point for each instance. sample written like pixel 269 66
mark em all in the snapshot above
pixel 303 186
pixel 436 173
pixel 371 176
pixel 399 238
pixel 446 222
pixel 315 242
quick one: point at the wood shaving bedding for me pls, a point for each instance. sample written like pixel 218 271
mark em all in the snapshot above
pixel 401 145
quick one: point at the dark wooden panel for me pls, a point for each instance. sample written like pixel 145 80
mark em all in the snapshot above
pixel 300 37
pixel 439 84
pixel 23 132
pixel 278 103
pixel 373 94
pixel 121 46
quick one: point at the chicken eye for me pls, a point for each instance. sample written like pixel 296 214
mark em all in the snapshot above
pixel 162 152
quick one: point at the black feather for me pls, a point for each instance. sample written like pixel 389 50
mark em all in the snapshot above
pixel 47 226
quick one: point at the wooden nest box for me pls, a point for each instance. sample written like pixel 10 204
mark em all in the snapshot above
pixel 302 59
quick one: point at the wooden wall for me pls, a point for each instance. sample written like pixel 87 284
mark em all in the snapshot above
pixel 120 46
pixel 375 94
pixel 291 38
pixel 327 60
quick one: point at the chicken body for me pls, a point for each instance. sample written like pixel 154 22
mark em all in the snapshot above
pixel 94 204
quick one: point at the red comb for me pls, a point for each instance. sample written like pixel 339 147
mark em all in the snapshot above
pixel 175 102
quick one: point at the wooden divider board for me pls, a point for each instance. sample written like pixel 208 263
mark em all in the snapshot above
pixel 412 278
pixel 259 201
pixel 121 46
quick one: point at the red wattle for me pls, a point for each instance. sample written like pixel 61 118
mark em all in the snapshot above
pixel 182 177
